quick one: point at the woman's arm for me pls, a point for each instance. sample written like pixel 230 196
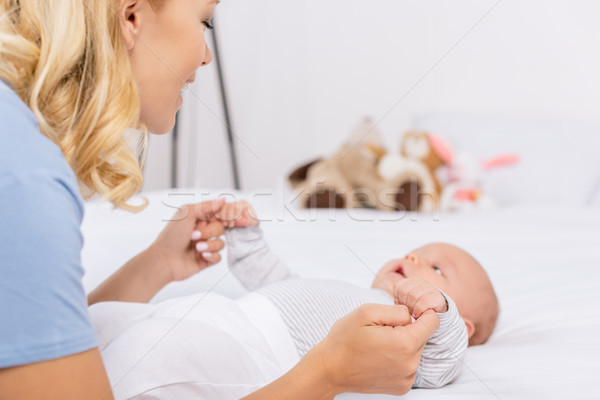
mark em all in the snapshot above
pixel 374 349
pixel 173 256
pixel 78 376
pixel 137 281
pixel 307 380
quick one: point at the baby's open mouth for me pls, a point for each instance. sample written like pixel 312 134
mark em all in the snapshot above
pixel 399 270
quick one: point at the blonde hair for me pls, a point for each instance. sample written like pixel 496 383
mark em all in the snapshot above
pixel 67 60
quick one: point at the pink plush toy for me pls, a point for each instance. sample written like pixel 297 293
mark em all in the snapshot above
pixel 463 186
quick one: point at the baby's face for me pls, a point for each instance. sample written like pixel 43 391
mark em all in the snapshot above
pixel 447 267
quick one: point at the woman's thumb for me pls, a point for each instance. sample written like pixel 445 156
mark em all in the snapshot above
pixel 207 209
pixel 386 315
pixel 425 325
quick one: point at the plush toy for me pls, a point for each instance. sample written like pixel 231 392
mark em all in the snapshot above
pixel 417 145
pixel 413 172
pixel 464 176
pixel 361 174
pixel 349 178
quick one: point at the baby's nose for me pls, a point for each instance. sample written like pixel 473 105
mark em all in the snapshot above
pixel 412 258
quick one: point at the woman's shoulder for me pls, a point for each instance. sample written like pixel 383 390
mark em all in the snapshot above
pixel 13 109
pixel 23 147
pixel 27 156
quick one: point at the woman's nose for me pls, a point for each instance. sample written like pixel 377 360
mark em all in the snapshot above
pixel 208 56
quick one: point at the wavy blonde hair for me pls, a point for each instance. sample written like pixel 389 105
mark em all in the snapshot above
pixel 67 60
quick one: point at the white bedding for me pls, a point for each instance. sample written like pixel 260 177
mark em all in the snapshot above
pixel 543 261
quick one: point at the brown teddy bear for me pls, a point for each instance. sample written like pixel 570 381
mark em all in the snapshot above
pixel 362 174
pixel 413 172
pixel 417 145
pixel 347 179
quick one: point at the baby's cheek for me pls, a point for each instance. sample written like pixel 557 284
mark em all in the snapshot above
pixel 444 286
pixel 384 284
pixel 377 283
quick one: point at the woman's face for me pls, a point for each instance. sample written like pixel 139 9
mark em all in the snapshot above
pixel 166 47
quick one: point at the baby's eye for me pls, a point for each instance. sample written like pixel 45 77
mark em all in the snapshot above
pixel 437 270
pixel 208 24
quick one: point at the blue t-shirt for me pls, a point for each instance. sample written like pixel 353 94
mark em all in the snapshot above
pixel 43 307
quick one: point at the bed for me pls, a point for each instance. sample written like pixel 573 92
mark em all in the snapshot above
pixel 540 246
pixel 543 260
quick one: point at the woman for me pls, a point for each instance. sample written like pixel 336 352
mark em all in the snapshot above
pixel 76 77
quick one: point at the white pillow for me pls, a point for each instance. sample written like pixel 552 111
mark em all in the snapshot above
pixel 560 158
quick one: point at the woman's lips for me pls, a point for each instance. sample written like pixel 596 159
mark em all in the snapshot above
pixel 187 84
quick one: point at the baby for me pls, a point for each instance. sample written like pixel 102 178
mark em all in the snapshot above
pixel 437 276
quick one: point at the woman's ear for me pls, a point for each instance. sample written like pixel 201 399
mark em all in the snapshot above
pixel 131 17
pixel 470 327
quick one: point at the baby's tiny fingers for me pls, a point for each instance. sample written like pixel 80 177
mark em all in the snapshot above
pixel 250 217
pixel 241 222
pixel 420 308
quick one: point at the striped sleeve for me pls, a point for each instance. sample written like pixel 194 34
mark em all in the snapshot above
pixel 441 360
pixel 251 260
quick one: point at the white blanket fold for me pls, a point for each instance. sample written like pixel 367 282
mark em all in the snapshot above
pixel 203 346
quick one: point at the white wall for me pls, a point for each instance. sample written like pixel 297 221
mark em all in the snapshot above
pixel 300 74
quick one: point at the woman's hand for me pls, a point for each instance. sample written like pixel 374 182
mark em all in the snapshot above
pixel 376 349
pixel 186 246
pixel 189 243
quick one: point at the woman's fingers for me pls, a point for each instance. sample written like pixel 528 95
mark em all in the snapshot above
pixel 210 258
pixel 210 246
pixel 424 326
pixel 203 211
pixel 212 229
pixel 420 307
pixel 384 315
pixel 208 250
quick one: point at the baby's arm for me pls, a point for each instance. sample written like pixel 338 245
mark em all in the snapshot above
pixel 441 360
pixel 248 254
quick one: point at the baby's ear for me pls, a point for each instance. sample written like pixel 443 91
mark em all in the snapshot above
pixel 470 327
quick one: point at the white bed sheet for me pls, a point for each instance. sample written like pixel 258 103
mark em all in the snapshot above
pixel 543 261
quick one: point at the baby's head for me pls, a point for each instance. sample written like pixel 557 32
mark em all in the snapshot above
pixel 456 273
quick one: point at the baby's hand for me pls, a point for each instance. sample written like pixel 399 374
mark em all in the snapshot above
pixel 419 296
pixel 238 215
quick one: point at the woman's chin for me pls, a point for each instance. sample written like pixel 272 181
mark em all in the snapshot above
pixel 160 123
pixel 161 127
pixel 161 131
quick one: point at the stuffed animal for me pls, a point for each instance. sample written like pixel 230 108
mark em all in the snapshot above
pixel 361 174
pixel 417 145
pixel 349 178
pixel 464 176
pixel 412 172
